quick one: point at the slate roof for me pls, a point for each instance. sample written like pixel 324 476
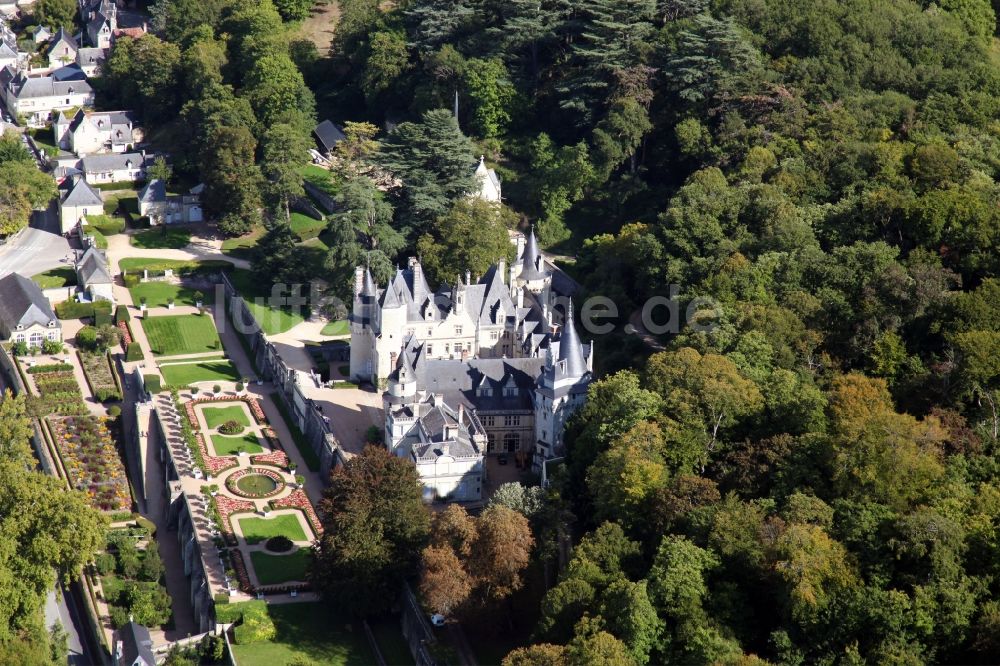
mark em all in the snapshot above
pixel 91 56
pixel 82 194
pixel 23 303
pixel 6 51
pixel 92 268
pixel 570 348
pixel 70 72
pixel 154 191
pixel 113 162
pixel 115 122
pixel 136 645
pixel 63 36
pixel 532 267
pixel 46 86
pixel 329 134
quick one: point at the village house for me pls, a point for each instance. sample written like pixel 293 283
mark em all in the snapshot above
pixel 36 98
pixel 79 201
pixel 114 167
pixel 328 135
pixel 163 208
pixel 94 132
pixel 62 49
pixel 133 646
pixel 25 314
pixel 90 60
pixel 94 277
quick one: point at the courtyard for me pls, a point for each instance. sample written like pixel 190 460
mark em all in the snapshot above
pixel 181 335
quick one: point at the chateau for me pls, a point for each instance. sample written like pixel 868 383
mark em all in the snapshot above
pixel 493 366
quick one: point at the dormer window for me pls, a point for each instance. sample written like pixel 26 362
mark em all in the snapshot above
pixel 510 392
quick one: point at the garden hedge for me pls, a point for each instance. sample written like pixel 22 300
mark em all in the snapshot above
pixel 74 310
pixel 51 367
pixel 122 314
pixel 134 352
pixel 152 382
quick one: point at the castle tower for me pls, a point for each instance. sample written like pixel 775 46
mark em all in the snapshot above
pixel 362 325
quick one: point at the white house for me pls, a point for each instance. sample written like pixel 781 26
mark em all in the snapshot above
pixel 79 201
pixel 8 56
pixel 489 181
pixel 36 98
pixel 163 208
pixel 62 49
pixel 90 59
pixel 25 314
pixel 114 167
pixel 94 277
pixel 87 133
pixel 133 646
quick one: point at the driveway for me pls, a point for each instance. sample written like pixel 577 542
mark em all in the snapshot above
pixel 33 251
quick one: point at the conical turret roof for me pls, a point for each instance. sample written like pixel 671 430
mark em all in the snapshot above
pixel 570 347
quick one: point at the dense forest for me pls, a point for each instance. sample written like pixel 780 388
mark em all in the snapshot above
pixel 812 480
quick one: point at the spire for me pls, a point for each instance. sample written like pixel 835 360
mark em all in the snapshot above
pixel 531 258
pixel 368 288
pixel 570 348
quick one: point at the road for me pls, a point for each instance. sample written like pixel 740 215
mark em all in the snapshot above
pixel 35 249
pixel 63 610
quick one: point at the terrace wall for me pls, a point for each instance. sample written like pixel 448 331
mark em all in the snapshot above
pixel 274 369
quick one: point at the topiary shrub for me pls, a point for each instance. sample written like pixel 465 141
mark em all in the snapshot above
pixel 122 314
pixel 279 544
pixel 131 280
pixel 231 428
pixel 134 352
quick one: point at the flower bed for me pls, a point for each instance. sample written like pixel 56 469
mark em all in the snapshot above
pixel 276 458
pixel 299 500
pixel 240 567
pixel 232 483
pixel 252 403
pixel 227 507
pixel 91 460
pixel 126 334
pixel 60 393
pixel 97 369
pixel 214 464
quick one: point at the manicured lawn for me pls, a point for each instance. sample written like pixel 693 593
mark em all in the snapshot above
pixel 308 631
pixel 342 327
pixel 45 140
pixel 139 264
pixel 256 530
pixel 319 177
pixel 274 569
pixel 306 227
pixel 162 238
pixel 231 446
pixel 157 294
pixel 256 484
pixel 308 455
pixel 57 277
pixel 257 295
pixel 183 374
pixel 109 226
pixel 181 334
pixel 128 201
pixel 99 239
pixel 216 416
pixel 242 246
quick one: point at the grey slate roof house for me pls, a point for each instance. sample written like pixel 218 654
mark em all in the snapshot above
pixel 79 201
pixel 114 167
pixel 329 135
pixel 94 276
pixel 25 313
pixel 36 98
pixel 133 646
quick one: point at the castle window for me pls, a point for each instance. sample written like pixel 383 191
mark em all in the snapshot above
pixel 511 420
pixel 458 330
pixel 430 349
pixel 488 421
pixel 494 336
pixel 510 392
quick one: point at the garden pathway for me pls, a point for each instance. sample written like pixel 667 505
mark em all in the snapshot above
pixel 200 249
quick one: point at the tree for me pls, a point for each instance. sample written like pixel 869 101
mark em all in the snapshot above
pixel 595 647
pixel 624 477
pixel 677 578
pixel 542 654
pixel 562 608
pixel 284 149
pixel 492 93
pixel 387 61
pixel 232 180
pixel 367 213
pixel 431 23
pixel 22 188
pixel 630 616
pixel 559 177
pixel 144 74
pixel 472 236
pixel 293 10
pixel 375 525
pixel 159 170
pixel 275 256
pixel 435 163
pixel 500 552
pixel 53 540
pixel 277 91
pixel 444 583
pixel 55 13
pixel 526 500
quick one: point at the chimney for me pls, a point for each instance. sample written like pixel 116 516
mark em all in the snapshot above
pixel 502 269
pixel 461 414
pixel 359 280
pixel 520 245
pixel 468 277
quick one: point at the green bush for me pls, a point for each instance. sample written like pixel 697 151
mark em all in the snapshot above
pixel 153 384
pixel 122 314
pixel 19 348
pixel 131 280
pixel 51 367
pixel 103 320
pixel 134 352
pixel 74 310
pixel 106 394
pixel 105 563
pixel 257 626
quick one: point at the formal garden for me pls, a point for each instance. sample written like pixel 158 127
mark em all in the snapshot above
pixel 90 458
pixel 97 368
pixel 193 372
pixel 59 392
